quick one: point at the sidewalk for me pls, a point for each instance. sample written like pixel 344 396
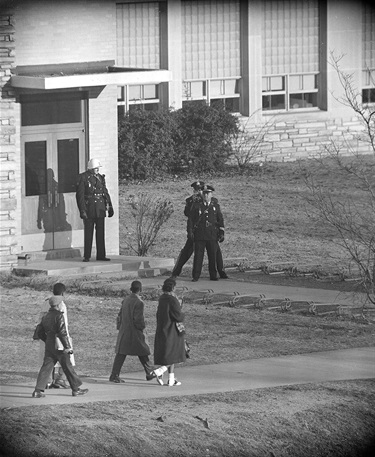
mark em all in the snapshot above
pixel 338 365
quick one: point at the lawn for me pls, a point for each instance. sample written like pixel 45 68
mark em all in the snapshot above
pixel 266 218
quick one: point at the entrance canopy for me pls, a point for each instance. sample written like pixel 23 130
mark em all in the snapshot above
pixel 84 74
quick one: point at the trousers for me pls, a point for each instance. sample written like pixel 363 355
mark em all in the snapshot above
pixel 89 225
pixel 211 248
pixel 120 359
pixel 50 358
pixel 187 251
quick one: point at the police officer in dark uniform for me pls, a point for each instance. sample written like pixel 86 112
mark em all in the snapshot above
pixel 93 201
pixel 188 249
pixel 206 223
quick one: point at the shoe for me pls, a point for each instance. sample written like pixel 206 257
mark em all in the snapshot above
pixel 60 383
pixel 150 376
pixel 105 259
pixel 49 385
pixel 78 392
pixel 175 383
pixel 195 280
pixel 224 276
pixel 37 394
pixel 86 260
pixel 116 379
pixel 214 279
pixel 159 380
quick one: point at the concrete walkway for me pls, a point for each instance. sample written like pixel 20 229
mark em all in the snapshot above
pixel 338 365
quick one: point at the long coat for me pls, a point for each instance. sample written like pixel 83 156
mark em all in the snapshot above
pixel 169 346
pixel 131 338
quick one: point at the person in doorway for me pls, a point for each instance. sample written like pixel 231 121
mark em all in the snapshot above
pixel 206 226
pixel 93 202
pixel 169 346
pixel 57 378
pixel 53 330
pixel 188 249
pixel 132 337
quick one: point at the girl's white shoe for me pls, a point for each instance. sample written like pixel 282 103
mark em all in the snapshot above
pixel 174 383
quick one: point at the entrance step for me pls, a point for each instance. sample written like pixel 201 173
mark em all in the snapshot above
pixel 144 267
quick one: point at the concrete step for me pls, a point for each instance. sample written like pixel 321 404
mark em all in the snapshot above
pixel 145 267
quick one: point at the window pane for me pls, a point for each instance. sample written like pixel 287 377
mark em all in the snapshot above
pixel 277 83
pixel 35 168
pixel 135 93
pixel 273 102
pixel 231 105
pixel 368 95
pixel 150 91
pixel 304 100
pixel 295 83
pixel 68 164
pixel 265 82
pixel 309 82
pixel 198 89
pixel 44 112
pixel 231 86
pixel 215 88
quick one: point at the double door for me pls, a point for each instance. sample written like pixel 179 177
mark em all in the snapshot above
pixel 51 163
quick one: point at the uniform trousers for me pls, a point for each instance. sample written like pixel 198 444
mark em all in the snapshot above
pixel 120 359
pixel 187 252
pixel 211 248
pixel 50 358
pixel 89 225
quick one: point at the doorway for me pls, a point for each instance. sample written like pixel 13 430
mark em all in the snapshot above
pixel 53 155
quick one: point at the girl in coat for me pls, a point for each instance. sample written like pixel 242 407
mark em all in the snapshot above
pixel 169 347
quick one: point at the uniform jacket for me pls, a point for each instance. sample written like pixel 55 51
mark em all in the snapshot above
pixel 131 339
pixel 53 326
pixel 169 346
pixel 92 195
pixel 206 220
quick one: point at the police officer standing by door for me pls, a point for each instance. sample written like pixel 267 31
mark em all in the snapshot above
pixel 93 201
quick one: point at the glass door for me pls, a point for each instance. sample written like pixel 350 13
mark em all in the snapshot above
pixel 50 168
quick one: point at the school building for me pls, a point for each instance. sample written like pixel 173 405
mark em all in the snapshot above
pixel 67 68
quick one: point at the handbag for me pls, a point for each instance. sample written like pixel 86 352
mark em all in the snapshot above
pixel 180 328
pixel 187 350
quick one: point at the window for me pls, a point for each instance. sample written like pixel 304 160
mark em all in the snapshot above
pixel 368 53
pixel 144 96
pixel 216 92
pixel 290 48
pixel 289 92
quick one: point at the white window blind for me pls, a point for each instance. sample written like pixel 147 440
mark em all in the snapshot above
pixel 290 38
pixel 368 36
pixel 210 39
pixel 138 42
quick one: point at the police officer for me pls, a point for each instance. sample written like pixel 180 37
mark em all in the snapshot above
pixel 188 249
pixel 206 220
pixel 93 201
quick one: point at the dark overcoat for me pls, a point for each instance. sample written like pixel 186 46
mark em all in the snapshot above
pixel 169 347
pixel 131 338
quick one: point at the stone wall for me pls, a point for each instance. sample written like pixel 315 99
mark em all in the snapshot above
pixel 286 138
pixel 8 184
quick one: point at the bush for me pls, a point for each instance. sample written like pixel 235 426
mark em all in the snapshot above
pixel 204 141
pixel 194 138
pixel 146 147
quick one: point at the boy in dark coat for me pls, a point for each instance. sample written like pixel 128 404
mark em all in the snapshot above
pixel 131 339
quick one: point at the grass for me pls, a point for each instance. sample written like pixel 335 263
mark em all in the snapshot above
pixel 266 218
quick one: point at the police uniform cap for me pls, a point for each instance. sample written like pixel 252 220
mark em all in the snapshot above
pixel 197 185
pixel 207 188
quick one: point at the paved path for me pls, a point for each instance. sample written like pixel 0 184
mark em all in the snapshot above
pixel 339 365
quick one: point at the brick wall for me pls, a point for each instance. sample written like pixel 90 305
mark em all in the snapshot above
pixel 288 138
pixel 8 186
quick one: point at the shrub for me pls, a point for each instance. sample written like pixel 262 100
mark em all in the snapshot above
pixel 194 138
pixel 146 147
pixel 149 214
